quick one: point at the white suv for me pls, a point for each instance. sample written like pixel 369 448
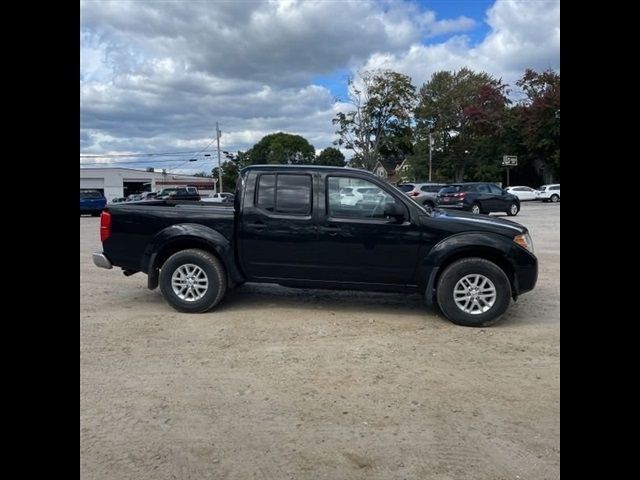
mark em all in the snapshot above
pixel 550 193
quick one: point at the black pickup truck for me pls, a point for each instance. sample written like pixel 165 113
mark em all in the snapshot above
pixel 291 225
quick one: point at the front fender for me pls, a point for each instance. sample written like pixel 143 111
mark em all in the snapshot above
pixel 459 245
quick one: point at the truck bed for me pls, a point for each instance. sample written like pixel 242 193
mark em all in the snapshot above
pixel 136 226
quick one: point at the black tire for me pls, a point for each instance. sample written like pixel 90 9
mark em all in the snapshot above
pixel 476 209
pixel 214 271
pixel 555 198
pixel 469 266
pixel 513 209
pixel 428 204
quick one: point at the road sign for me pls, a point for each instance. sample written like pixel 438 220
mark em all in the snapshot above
pixel 510 161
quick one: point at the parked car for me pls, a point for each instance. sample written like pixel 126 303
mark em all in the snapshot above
pixel 148 195
pixel 356 195
pixel 221 197
pixel 179 193
pixel 423 193
pixel 524 193
pixel 292 228
pixel 550 193
pixel 119 200
pixel 92 201
pixel 134 197
pixel 478 197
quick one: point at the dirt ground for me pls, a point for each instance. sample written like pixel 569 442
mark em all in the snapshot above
pixel 279 383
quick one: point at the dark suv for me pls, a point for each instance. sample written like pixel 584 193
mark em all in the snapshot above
pixel 179 193
pixel 478 198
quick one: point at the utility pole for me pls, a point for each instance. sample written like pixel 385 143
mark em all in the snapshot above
pixel 430 148
pixel 218 134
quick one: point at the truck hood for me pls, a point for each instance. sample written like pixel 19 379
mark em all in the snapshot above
pixel 469 221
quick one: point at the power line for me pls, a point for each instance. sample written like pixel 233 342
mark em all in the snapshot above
pixel 198 153
pixel 112 155
pixel 133 162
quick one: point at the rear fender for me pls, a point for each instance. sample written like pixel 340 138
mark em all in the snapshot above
pixel 187 235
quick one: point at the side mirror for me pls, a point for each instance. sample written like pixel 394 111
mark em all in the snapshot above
pixel 395 211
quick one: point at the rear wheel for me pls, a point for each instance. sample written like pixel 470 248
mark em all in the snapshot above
pixel 193 281
pixel 475 209
pixel 555 198
pixel 513 209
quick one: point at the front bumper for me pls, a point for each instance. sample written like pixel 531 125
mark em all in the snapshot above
pixel 101 261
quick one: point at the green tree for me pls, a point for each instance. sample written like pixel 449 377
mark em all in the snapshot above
pixel 201 174
pixel 379 122
pixel 280 148
pixel 330 156
pixel 540 117
pixel 230 170
pixel 456 108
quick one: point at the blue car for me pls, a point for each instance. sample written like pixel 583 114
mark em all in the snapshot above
pixel 92 201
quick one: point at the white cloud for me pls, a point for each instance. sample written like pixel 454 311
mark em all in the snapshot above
pixel 523 35
pixel 156 76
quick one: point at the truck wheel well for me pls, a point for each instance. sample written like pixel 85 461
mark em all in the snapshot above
pixel 487 254
pixel 178 245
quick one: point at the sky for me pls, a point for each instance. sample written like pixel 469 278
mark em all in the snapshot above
pixel 155 77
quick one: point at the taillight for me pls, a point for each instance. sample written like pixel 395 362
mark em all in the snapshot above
pixel 414 194
pixel 105 225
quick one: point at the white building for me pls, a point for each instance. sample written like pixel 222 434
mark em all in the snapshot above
pixel 120 182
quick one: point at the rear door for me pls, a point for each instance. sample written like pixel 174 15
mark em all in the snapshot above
pixel 277 233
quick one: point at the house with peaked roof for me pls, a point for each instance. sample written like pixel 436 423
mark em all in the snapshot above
pixel 391 170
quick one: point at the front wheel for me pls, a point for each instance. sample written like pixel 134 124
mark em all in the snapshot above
pixel 473 292
pixel 513 209
pixel 193 281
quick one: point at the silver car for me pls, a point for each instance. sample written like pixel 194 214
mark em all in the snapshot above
pixel 423 193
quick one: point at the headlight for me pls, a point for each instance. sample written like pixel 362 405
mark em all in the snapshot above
pixel 524 241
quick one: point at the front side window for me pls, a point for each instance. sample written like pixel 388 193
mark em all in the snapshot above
pixel 483 188
pixel 368 202
pixel 285 194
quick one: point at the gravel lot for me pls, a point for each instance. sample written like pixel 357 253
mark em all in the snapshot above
pixel 280 383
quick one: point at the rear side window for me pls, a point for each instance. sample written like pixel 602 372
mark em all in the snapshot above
pixel 430 188
pixel 407 187
pixel 286 194
pixel 557 187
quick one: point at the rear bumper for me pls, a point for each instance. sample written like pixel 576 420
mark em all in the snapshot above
pixel 100 260
pixel 459 206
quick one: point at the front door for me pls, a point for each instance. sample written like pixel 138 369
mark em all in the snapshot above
pixel 359 244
